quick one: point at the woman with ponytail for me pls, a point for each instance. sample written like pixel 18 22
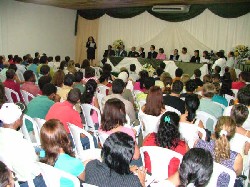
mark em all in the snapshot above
pixel 168 136
pixel 219 147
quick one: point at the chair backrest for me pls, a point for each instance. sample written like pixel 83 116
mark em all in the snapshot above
pixel 25 132
pixel 172 109
pixel 86 108
pixel 237 143
pixel 99 99
pixel 235 91
pixel 39 122
pixel 102 89
pixel 160 159
pixel 205 118
pixel 229 98
pixel 26 96
pixel 217 170
pixel 221 105
pixel 52 176
pixel 102 137
pixel 9 92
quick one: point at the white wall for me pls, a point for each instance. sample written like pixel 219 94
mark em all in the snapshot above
pixel 27 28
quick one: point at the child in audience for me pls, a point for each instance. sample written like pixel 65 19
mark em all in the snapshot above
pixel 58 151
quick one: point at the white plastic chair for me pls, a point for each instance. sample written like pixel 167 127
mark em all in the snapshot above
pixel 102 89
pixel 86 108
pixel 99 99
pixel 52 176
pixel 8 94
pixel 235 91
pixel 160 159
pixel 205 117
pixel 88 185
pixel 27 97
pixel 229 98
pixel 39 122
pixel 217 170
pixel 84 155
pixel 102 137
pixel 25 132
pixel 172 109
pixel 237 143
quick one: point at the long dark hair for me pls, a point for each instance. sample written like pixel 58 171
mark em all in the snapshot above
pixel 89 93
pixel 192 103
pixel 168 134
pixel 143 75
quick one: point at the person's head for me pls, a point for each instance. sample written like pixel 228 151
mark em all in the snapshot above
pixel 159 71
pixel 6 179
pixel 29 76
pixel 118 151
pixel 43 60
pixel 161 50
pixel 176 52
pixel 122 47
pixel 178 72
pixel 114 114
pixel 185 78
pixel 208 90
pixel 90 86
pixel 62 65
pixel 191 86
pixel 231 54
pixel 37 55
pixel 216 77
pixel 43 80
pixel 36 61
pixel 217 87
pixel 239 114
pixel 10 74
pixel 224 131
pixel 30 60
pixel 107 68
pixel 91 39
pixel 220 54
pixel 167 81
pixel 44 70
pixel 10 57
pixel 141 49
pixel 89 72
pixel 149 82
pixel 143 75
pixel 184 50
pixel 104 78
pixel 109 47
pixel 78 76
pixel 243 76
pixel 168 134
pixel 217 69
pixel 152 48
pixel 197 73
pixel 205 54
pixel 13 67
pixel 67 58
pixel 11 115
pixel 54 139
pixel 118 86
pixel 50 59
pixel 243 95
pixel 2 94
pixel 77 65
pixel 133 48
pixel 85 64
pixel 74 96
pixel 58 78
pixel 71 64
pixel 132 67
pixel 49 90
pixel 192 103
pixel 196 167
pixel 69 79
pixel 154 102
pixel 196 53
pixel 162 65
pixel 207 79
pixel 177 87
pixel 123 76
pixel 57 58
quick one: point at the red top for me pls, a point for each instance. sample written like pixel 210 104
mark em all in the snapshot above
pixel 30 87
pixel 65 113
pixel 174 162
pixel 9 83
pixel 238 85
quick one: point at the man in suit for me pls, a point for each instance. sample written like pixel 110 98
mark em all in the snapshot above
pixel 152 54
pixel 122 52
pixel 175 56
pixel 108 53
pixel 133 53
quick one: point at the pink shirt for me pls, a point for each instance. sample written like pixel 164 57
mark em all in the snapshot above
pixel 31 88
pixel 137 87
pixel 161 56
pixel 126 130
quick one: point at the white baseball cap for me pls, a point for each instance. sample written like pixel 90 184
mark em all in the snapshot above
pixel 123 76
pixel 10 112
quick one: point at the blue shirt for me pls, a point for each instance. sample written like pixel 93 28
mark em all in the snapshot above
pixel 220 99
pixel 33 67
pixel 70 165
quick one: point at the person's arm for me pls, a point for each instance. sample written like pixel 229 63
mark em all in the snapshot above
pixel 247 147
pixel 238 165
pixel 96 104
pixel 136 155
pixel 141 174
pixel 82 176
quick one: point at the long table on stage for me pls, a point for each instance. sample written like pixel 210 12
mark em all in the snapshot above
pixel 187 67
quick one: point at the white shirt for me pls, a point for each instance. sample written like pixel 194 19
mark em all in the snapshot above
pixel 54 65
pixel 222 63
pixel 230 62
pixel 21 68
pixel 184 57
pixel 134 76
pixel 203 60
pixel 19 153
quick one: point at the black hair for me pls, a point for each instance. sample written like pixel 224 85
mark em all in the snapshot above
pixel 107 68
pixel 118 151
pixel 90 86
pixel 57 58
pixel 43 59
pixel 74 95
pixel 159 71
pixel 132 67
pixel 4 175
pixel 192 103
pixel 220 54
pixel 168 135
pixel 67 58
pixel 177 87
pixel 142 49
pixel 152 46
pixel 161 50
pixel 13 66
pixel 10 57
pixel 217 69
pixel 231 53
pixel 244 95
pixel 85 64
pixel 50 59
pixel 69 79
pixel 206 53
pixel 36 54
pixel 118 86
pixel 239 114
pixel 104 77
pixel 44 70
pixel 49 89
pixel 36 61
pixel 178 72
pixel 43 80
pixel 89 72
pixel 27 75
pixel 78 76
pixel 162 65
pixel 244 75
pixel 184 49
pixel 62 65
pixel 216 76
pixel 190 85
pixel 143 75
pixel 10 73
pixel 197 72
pixel 149 82
pixel 77 65
pixel 196 167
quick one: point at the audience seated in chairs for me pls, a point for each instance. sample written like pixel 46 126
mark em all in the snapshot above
pixel 149 82
pixel 178 74
pixel 58 78
pixel 59 152
pixel 115 170
pixel 77 84
pixel 67 86
pixel 167 136
pixel 29 84
pixel 218 96
pixel 190 89
pixel 141 82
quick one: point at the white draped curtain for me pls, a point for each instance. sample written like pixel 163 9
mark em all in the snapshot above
pixel 204 32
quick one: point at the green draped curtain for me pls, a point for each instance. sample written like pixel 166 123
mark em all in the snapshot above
pixel 227 10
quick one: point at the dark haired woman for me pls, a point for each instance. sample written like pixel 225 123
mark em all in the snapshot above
pixel 161 55
pixel 140 84
pixel 168 136
pixel 114 170
pixel 190 88
pixel 58 151
pixel 91 47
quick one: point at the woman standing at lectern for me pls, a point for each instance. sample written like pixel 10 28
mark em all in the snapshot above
pixel 91 47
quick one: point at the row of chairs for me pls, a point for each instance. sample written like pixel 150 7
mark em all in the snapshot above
pixel 26 95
